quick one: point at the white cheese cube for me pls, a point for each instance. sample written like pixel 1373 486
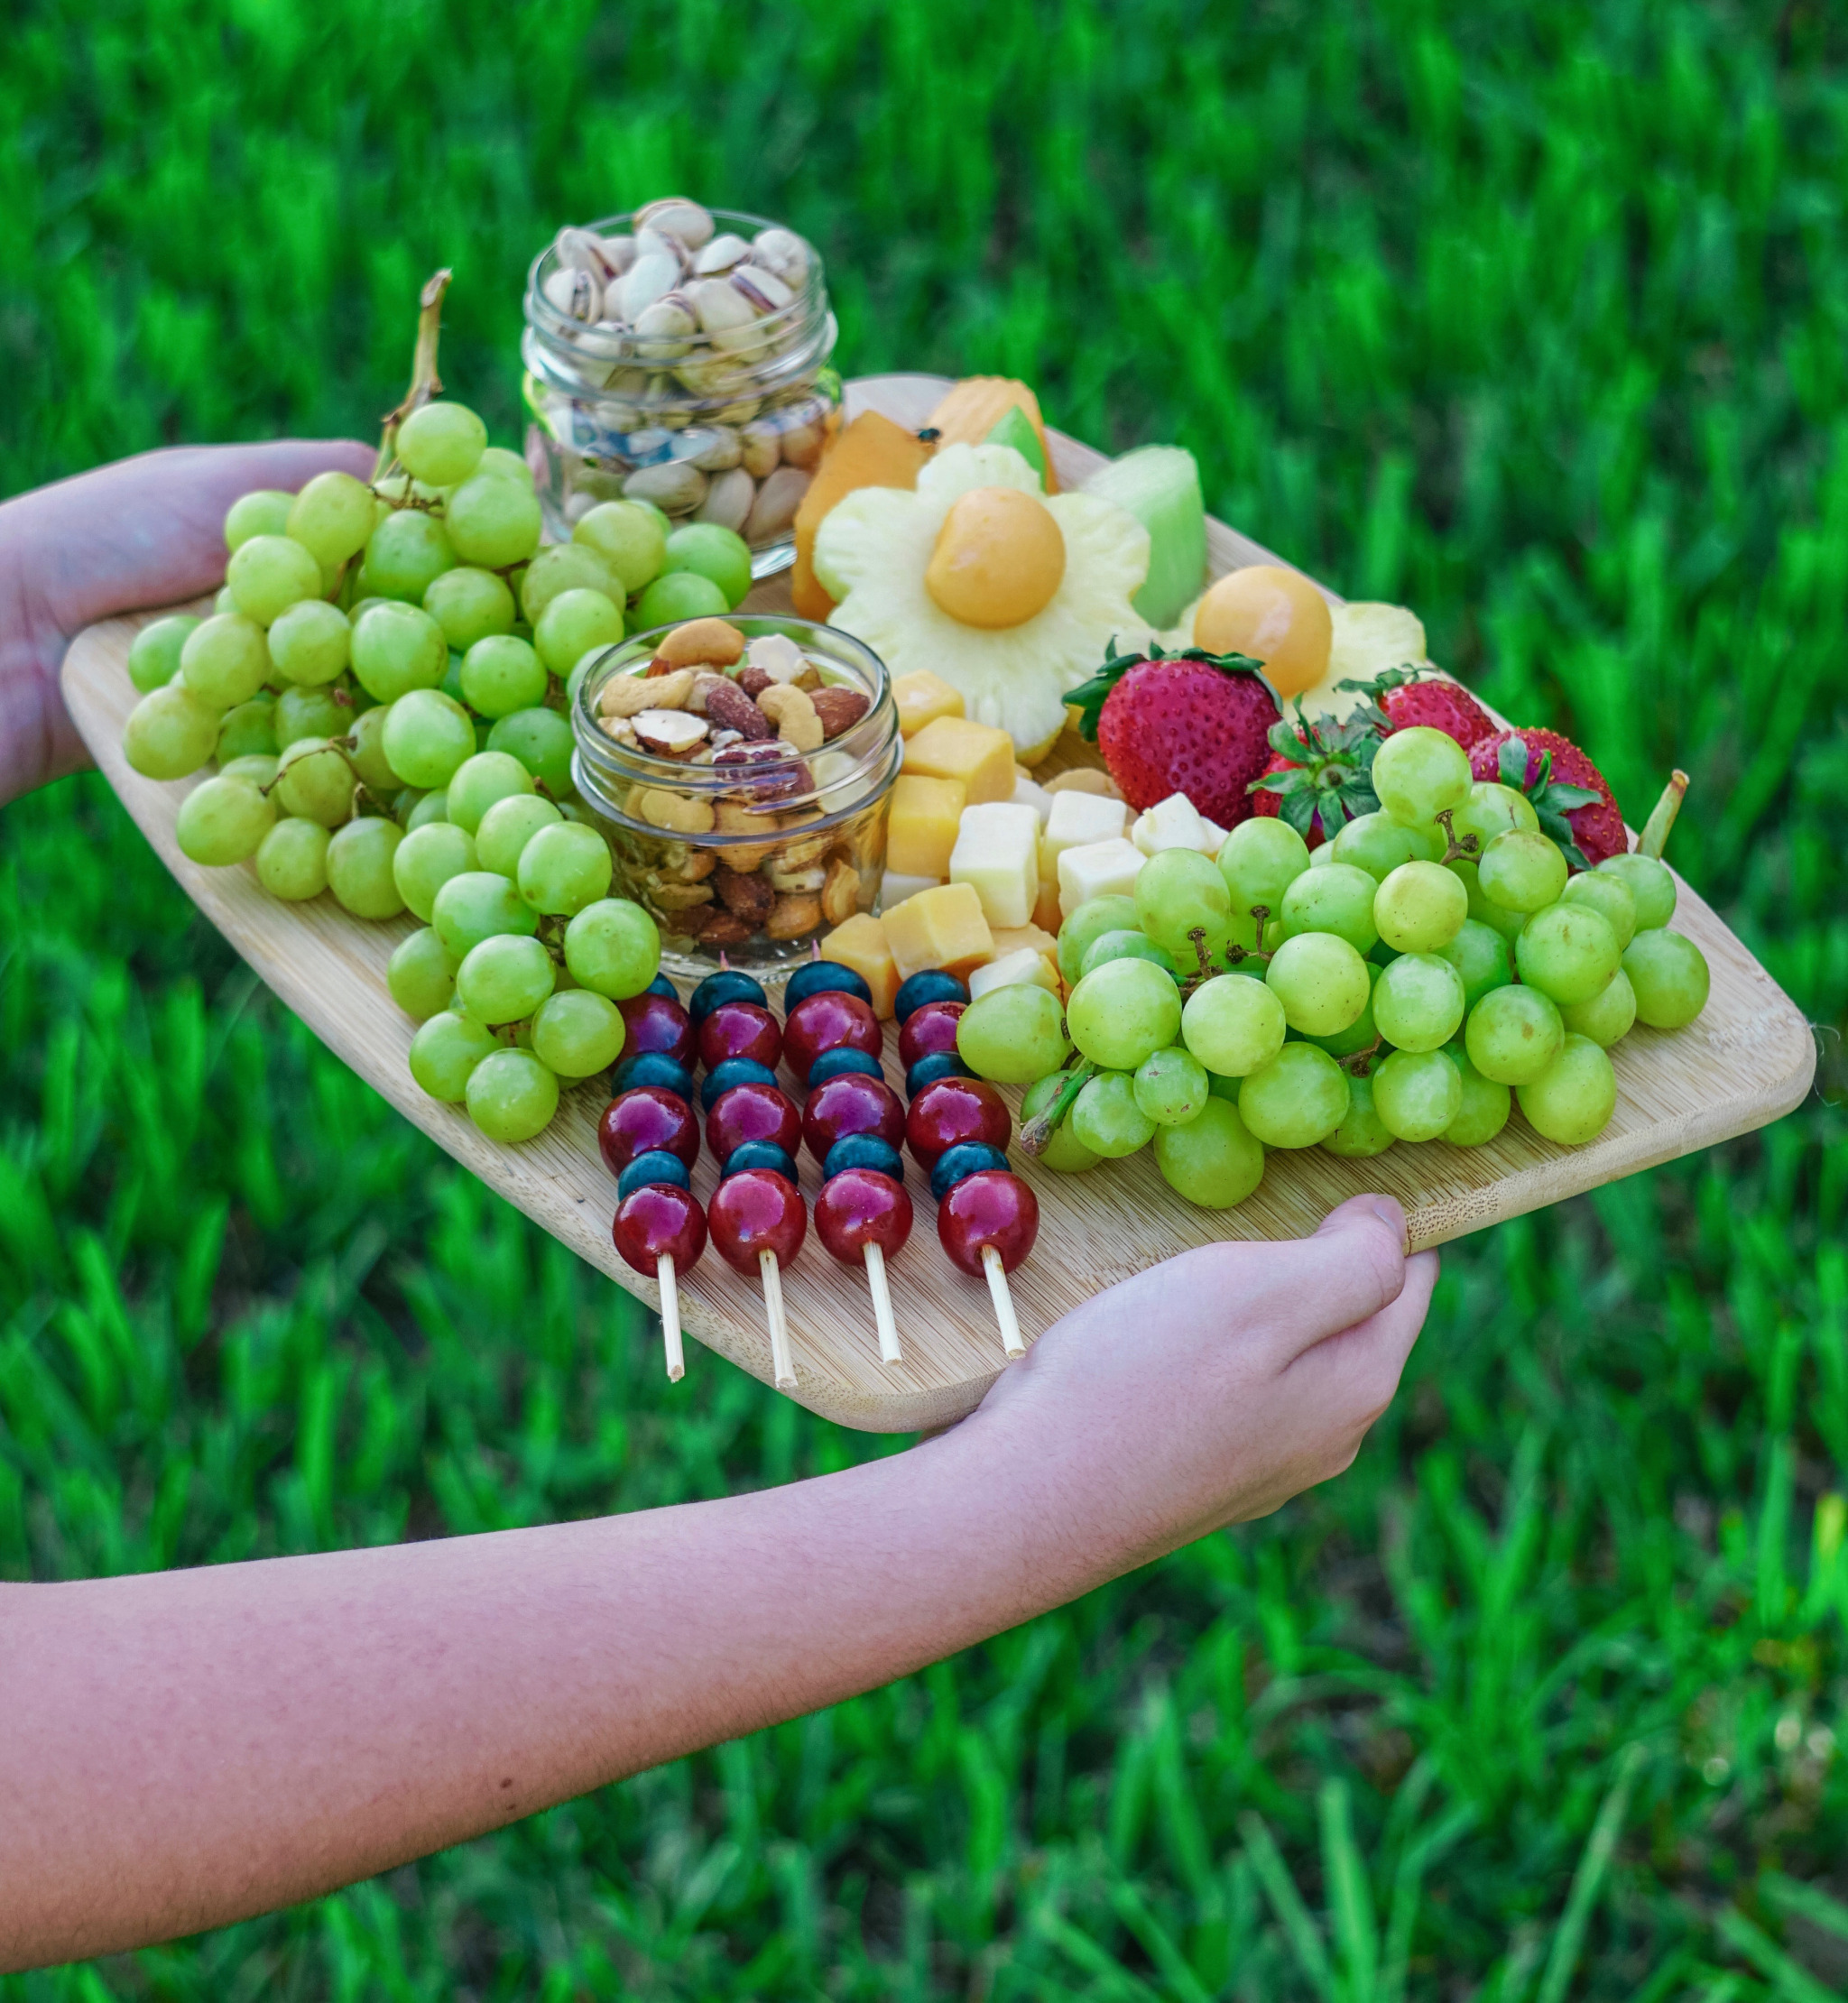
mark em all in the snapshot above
pixel 997 854
pixel 895 887
pixel 1026 968
pixel 1029 792
pixel 1098 869
pixel 1080 820
pixel 1174 823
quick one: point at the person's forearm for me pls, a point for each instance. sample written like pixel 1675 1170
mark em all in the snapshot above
pixel 183 1750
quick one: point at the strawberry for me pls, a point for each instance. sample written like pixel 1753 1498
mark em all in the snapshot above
pixel 1402 699
pixel 1318 775
pixel 1571 796
pixel 1190 723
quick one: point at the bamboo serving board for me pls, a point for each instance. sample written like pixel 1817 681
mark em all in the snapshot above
pixel 1747 1060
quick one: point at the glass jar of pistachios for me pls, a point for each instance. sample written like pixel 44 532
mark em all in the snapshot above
pixel 679 355
pixel 741 770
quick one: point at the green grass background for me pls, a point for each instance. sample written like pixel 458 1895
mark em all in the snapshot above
pixel 1536 318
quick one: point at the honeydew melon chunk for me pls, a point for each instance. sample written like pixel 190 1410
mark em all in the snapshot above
pixel 1015 428
pixel 1159 485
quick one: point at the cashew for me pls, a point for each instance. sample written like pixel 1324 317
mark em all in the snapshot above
pixel 702 642
pixel 630 694
pixel 794 716
pixel 840 894
pixel 661 808
pixel 791 916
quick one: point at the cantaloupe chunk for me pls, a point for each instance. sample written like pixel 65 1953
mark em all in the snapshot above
pixel 972 410
pixel 871 452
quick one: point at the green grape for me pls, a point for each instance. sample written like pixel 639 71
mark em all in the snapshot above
pixel 505 465
pixel 332 517
pixel 512 1096
pixel 1513 1034
pixel 1259 860
pixel 153 657
pixel 1484 910
pixel 710 549
pixel 566 567
pixel 248 730
pixel 1572 1100
pixel 406 554
pixel 442 443
pixel 451 683
pixel 1608 1016
pixel 421 975
pixel 315 781
pixel 1378 843
pixel 562 869
pixel 1087 925
pixel 1013 1035
pixel 1213 1160
pixel 1321 855
pixel 1298 1098
pixel 1523 871
pixel 429 736
pixel 508 826
pixel 629 539
pixel 312 643
pixel 1567 952
pixel 1418 1001
pixel 659 515
pixel 427 858
pixel 1416 1094
pixel 445 1052
pixel 258 767
pixel 1361 1034
pixel 541 740
pixel 470 604
pixel 1223 1088
pixel 613 948
pixel 169 733
pixel 397 648
pixel 223 821
pixel 1482 959
pixel 504 979
pixel 1065 1152
pixel 1124 1012
pixel 1179 892
pixel 1337 897
pixel 481 780
pixel 226 660
pixel 299 713
pixel 264 512
pixel 1321 981
pixel 359 867
pixel 1233 1024
pixel 572 624
pixel 1652 885
pixel 1124 946
pixel 578 1033
pixel 369 761
pixel 502 674
pixel 1172 1086
pixel 1421 772
pixel 291 861
pixel 1419 908
pixel 1486 1103
pixel 1491 810
pixel 479 905
pixel 1671 978
pixel 224 606
pixel 678 595
pixel 1361 1133
pixel 1609 896
pixel 1105 1119
pixel 493 522
pixel 269 574
pixel 432 808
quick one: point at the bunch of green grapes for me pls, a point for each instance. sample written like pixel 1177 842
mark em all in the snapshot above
pixel 383 687
pixel 1434 966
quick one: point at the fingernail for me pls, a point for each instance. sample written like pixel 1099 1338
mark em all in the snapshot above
pixel 1387 1211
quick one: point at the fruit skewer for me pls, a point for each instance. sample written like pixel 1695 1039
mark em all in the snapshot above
pixel 866 1213
pixel 758 1221
pixel 661 1230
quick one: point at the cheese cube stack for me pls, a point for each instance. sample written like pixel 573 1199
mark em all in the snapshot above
pixel 952 747
pixel 1026 968
pixel 1080 820
pixel 943 927
pixel 921 829
pixel 997 852
pixel 1098 869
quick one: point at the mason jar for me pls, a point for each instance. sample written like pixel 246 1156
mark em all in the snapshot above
pixel 742 845
pixel 680 356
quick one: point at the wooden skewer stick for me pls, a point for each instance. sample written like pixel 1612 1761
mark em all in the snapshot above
pixel 781 1361
pixel 881 1304
pixel 1003 1303
pixel 670 1316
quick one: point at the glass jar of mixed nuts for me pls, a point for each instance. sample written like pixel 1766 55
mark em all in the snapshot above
pixel 679 355
pixel 742 770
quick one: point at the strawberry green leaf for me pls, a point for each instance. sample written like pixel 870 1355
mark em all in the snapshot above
pixel 1512 761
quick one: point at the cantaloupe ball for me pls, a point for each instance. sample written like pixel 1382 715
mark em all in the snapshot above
pixel 999 558
pixel 1276 616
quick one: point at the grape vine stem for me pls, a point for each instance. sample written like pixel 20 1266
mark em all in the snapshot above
pixel 425 383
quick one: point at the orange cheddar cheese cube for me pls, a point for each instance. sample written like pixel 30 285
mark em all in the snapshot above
pixel 1015 938
pixel 944 927
pixel 978 755
pixel 861 944
pixel 922 698
pixel 921 830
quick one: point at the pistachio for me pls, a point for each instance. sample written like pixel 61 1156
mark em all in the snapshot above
pixel 680 897
pixel 840 892
pixel 660 329
pixel 722 310
pixel 778 656
pixel 662 809
pixel 582 250
pixel 740 411
pixel 668 732
pixel 700 643
pixel 762 289
pixel 576 294
pixel 773 514
pixel 801 446
pixel 722 454
pixel 675 216
pixel 791 916
pixel 781 251
pixel 617 252
pixel 675 488
pixel 728 500
pixel 791 710
pixel 648 279
pixel 627 696
pixel 761 449
pixel 656 243
pixel 719 255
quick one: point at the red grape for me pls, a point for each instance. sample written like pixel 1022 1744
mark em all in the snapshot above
pixel 757 1211
pixel 644 1117
pixel 929 1029
pixel 752 1111
pixel 831 1020
pixel 660 1218
pixel 740 1029
pixel 860 1207
pixel 993 1207
pixel 954 1109
pixel 852 1103
pixel 653 1022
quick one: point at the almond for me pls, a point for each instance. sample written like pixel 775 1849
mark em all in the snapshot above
pixel 728 707
pixel 713 926
pixel 702 642
pixel 838 709
pixel 750 897
pixel 753 682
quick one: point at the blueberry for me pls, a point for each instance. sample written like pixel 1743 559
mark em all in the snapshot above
pixel 661 984
pixel 940 1064
pixel 830 1063
pixel 732 1071
pixel 757 1153
pixel 966 1159
pixel 656 1166
pixel 824 977
pixel 728 986
pixel 653 1067
pixel 862 1150
pixel 933 986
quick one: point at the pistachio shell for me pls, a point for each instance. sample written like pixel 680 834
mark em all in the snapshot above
pixel 648 279
pixel 676 488
pixel 728 500
pixel 675 216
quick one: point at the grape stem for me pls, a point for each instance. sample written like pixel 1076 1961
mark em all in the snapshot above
pixel 1036 1136
pixel 1457 845
pixel 1654 837
pixel 1235 955
pixel 1357 1061
pixel 425 383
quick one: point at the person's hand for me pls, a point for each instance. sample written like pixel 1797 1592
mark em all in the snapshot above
pixel 145 532
pixel 1213 1387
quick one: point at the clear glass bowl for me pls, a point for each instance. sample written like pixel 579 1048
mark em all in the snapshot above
pixel 757 860
pixel 725 425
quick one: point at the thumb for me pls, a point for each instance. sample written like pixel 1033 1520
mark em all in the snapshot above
pixel 1355 1263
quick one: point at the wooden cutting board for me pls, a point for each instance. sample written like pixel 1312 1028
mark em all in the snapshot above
pixel 1747 1060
